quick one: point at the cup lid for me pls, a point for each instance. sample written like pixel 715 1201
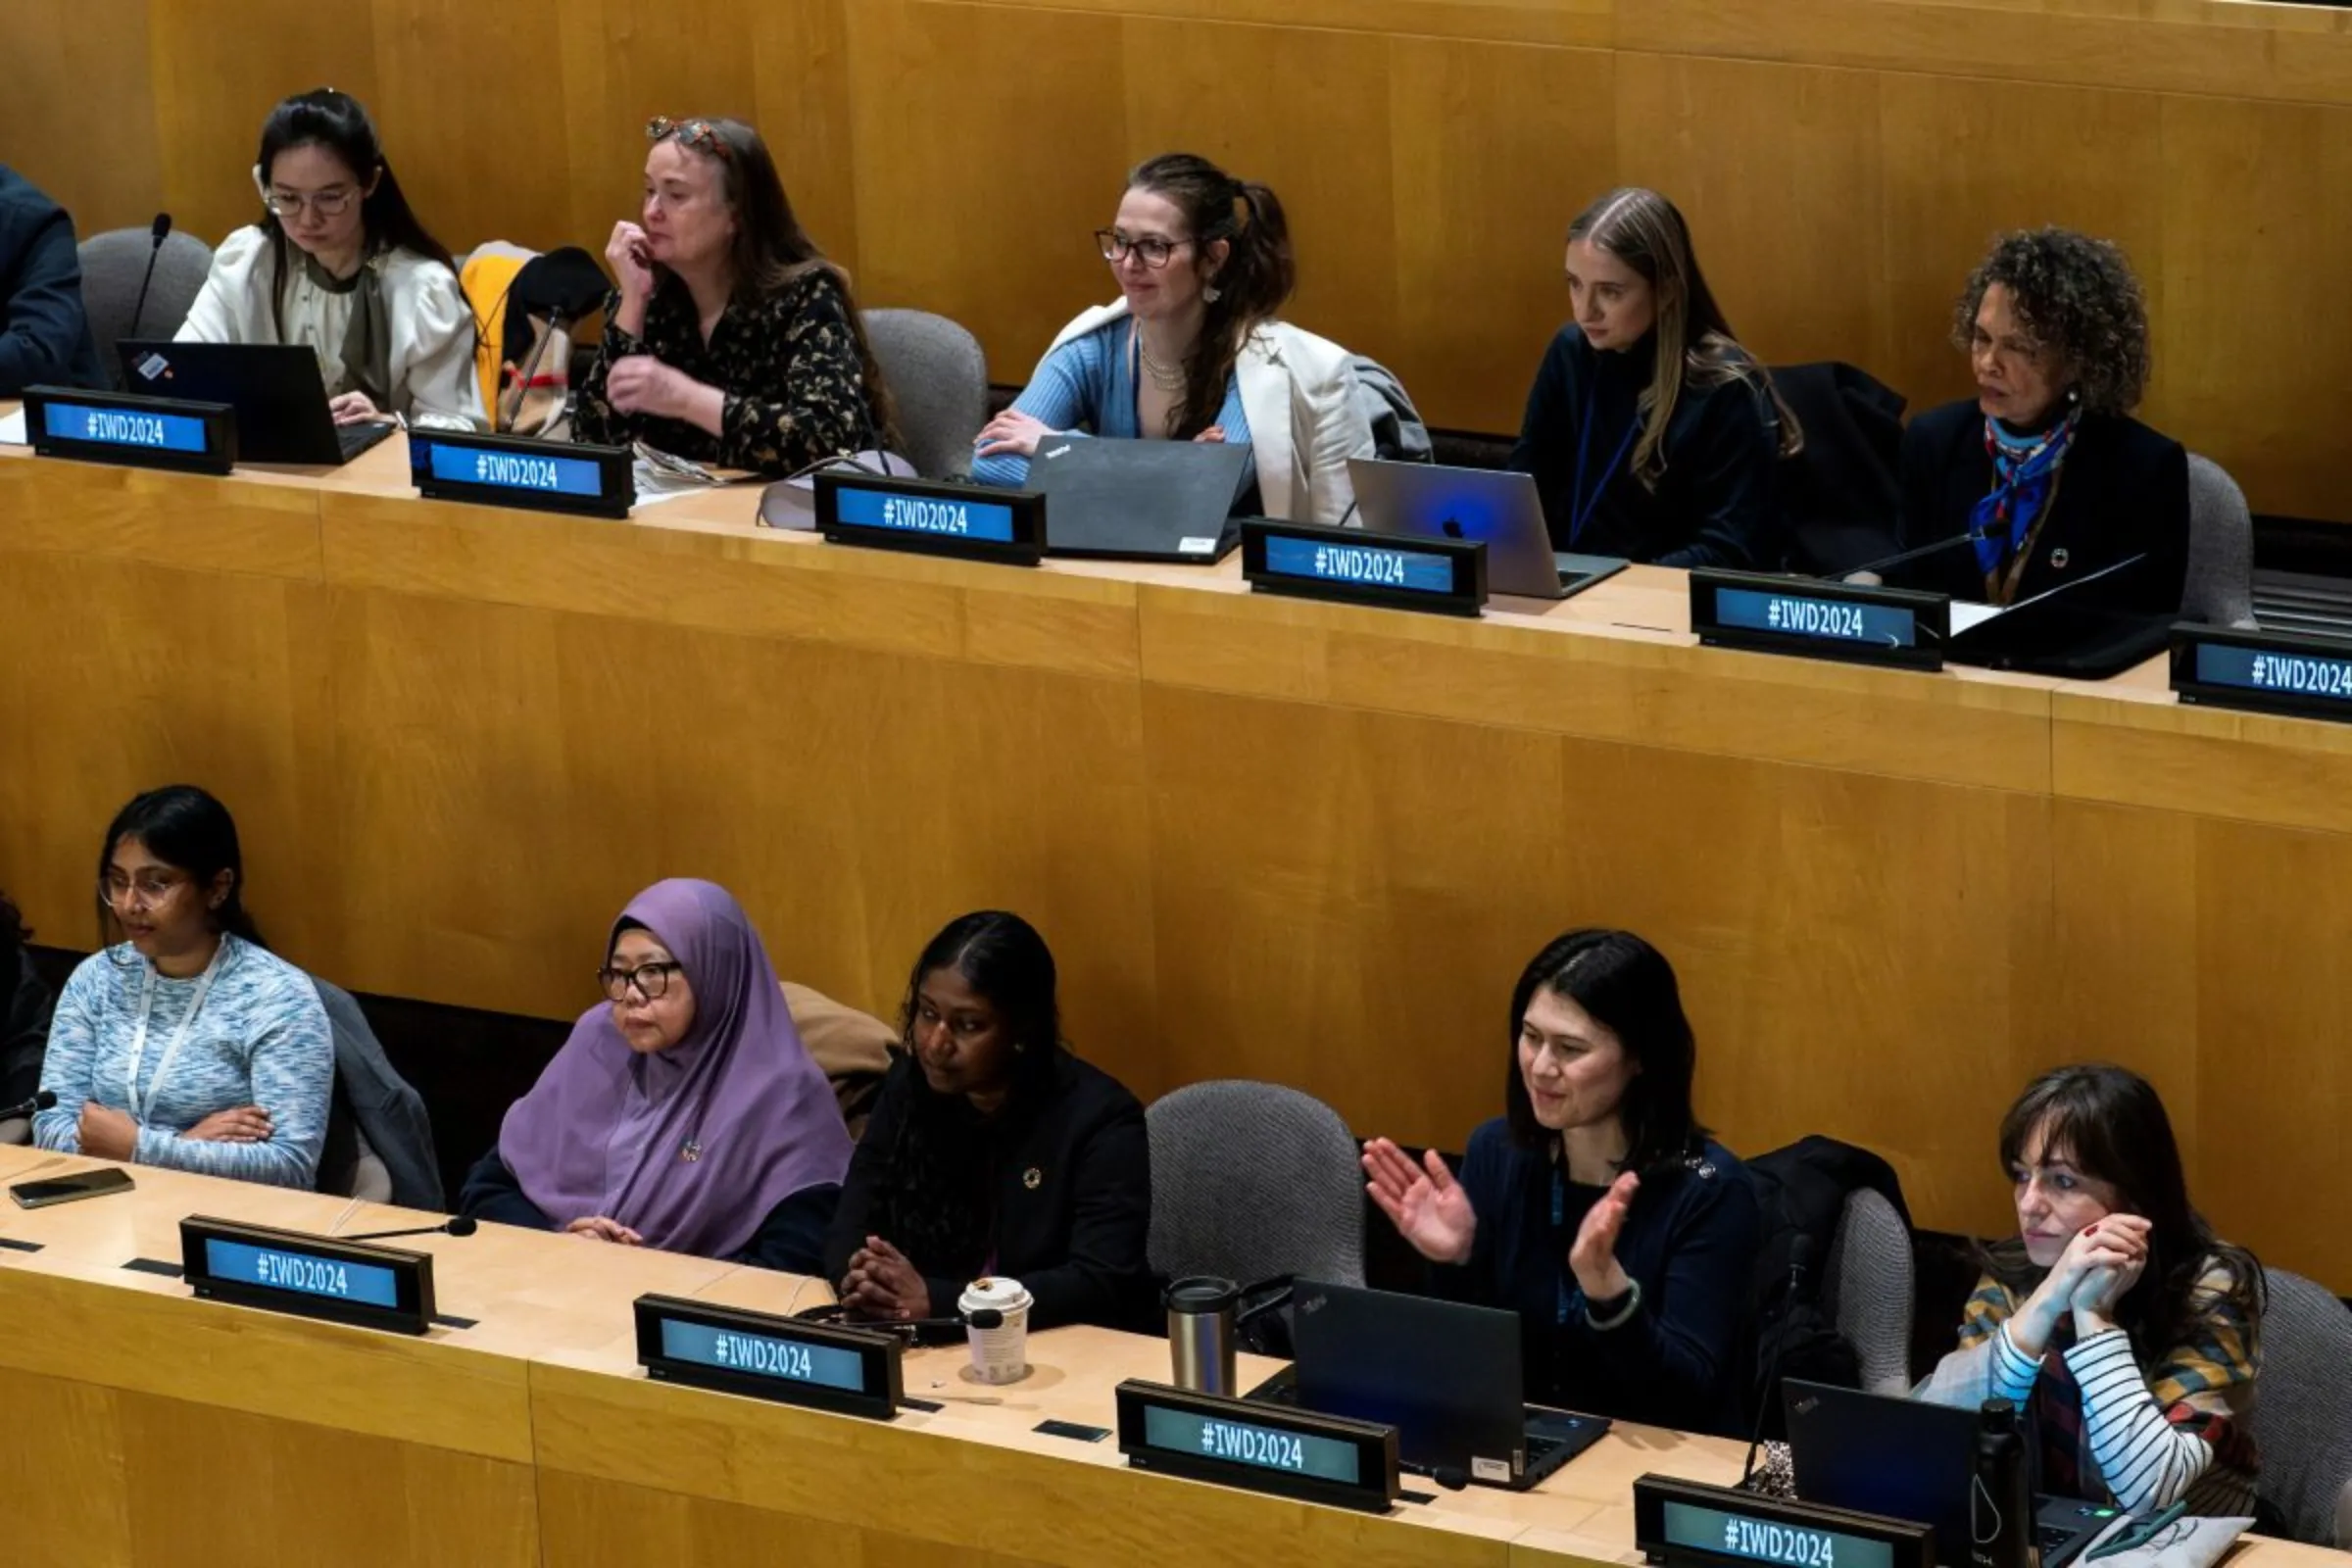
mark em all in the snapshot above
pixel 1006 1296
pixel 1200 1293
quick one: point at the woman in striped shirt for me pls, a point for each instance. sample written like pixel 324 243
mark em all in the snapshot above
pixel 2116 1320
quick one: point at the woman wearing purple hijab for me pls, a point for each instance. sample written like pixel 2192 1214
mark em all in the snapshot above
pixel 684 1114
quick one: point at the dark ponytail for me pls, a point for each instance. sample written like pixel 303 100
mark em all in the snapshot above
pixel 339 123
pixel 190 831
pixel 1252 286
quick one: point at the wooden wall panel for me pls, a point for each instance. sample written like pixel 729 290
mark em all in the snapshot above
pixel 62 1448
pixel 1843 165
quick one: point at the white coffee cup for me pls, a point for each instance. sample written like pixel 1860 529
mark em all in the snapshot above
pixel 1000 1355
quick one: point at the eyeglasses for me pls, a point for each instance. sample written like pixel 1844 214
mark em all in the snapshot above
pixel 150 887
pixel 1148 249
pixel 651 980
pixel 697 134
pixel 326 203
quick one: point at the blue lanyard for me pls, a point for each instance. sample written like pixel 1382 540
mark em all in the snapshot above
pixel 1559 1222
pixel 1580 506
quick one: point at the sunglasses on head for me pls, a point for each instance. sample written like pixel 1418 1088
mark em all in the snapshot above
pixel 698 136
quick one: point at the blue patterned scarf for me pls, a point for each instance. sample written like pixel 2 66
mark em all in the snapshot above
pixel 2023 467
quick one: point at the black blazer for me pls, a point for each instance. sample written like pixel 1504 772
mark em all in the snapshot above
pixel 44 335
pixel 1068 1182
pixel 23 1027
pixel 1716 505
pixel 2124 490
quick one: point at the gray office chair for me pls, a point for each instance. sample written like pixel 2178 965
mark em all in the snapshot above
pixel 111 265
pixel 2303 1412
pixel 15 1130
pixel 939 377
pixel 2220 547
pixel 1251 1181
pixel 1868 1289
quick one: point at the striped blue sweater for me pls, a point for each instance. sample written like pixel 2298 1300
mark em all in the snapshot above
pixel 261 1039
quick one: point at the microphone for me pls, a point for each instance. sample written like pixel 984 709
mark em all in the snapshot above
pixel 1903 558
pixel 1800 1259
pixel 462 1225
pixel 31 1107
pixel 162 230
pixel 563 284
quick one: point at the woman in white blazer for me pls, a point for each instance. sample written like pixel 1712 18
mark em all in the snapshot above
pixel 1192 351
pixel 340 265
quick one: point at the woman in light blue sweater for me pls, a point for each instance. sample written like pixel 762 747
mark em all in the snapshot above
pixel 188 1044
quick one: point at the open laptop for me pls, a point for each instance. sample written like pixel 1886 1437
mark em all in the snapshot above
pixel 1444 1375
pixel 1423 500
pixel 276 388
pixel 1907 1459
pixel 1126 500
pixel 2058 632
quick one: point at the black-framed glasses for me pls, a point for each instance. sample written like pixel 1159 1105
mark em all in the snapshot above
pixel 651 980
pixel 1150 249
pixel 697 134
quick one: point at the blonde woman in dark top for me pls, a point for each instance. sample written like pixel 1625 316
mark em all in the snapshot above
pixel 731 339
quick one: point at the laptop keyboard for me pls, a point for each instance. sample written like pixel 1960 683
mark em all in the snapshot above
pixel 355 439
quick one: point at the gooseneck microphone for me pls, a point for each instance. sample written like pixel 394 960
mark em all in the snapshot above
pixel 31 1107
pixel 1901 558
pixel 462 1225
pixel 162 230
pixel 1800 1259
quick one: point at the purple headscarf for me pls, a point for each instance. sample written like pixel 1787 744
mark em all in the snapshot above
pixel 690 1147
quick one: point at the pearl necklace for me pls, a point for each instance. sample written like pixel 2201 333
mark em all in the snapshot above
pixel 1168 378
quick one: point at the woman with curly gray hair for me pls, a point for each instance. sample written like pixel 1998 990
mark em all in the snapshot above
pixel 2046 475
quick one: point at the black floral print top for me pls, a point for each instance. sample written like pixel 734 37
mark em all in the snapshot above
pixel 788 363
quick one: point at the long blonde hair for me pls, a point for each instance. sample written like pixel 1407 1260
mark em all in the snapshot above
pixel 1643 230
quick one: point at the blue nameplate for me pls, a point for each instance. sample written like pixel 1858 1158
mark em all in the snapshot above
pixel 1775 614
pixel 974 521
pixel 2269 672
pixel 140 431
pixel 513 471
pixel 1311 562
pixel 1686 1523
pixel 1260 1447
pixel 311 1276
pixel 829 1366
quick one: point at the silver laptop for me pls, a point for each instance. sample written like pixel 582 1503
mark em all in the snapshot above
pixel 1423 500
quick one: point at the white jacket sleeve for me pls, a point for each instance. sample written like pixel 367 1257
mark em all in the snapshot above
pixel 433 378
pixel 1335 430
pixel 235 292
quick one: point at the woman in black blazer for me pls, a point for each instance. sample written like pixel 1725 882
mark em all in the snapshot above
pixel 995 1150
pixel 2045 473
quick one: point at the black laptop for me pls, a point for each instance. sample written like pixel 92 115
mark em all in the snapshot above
pixel 1444 1375
pixel 1908 1459
pixel 276 388
pixel 1120 500
pixel 2056 632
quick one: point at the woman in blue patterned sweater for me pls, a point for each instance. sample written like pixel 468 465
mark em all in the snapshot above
pixel 188 1044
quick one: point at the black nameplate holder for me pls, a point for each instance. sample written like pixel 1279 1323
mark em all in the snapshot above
pixel 1766 614
pixel 1258 1448
pixel 1684 1524
pixel 2287 673
pixel 826 1366
pixel 513 471
pixel 310 1276
pixel 1347 566
pixel 127 430
pixel 974 522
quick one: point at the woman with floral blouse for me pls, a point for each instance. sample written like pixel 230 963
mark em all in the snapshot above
pixel 731 340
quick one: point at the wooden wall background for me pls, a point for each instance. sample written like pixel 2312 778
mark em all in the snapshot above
pixel 1843 162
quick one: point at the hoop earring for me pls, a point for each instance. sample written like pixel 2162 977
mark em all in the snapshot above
pixel 1212 294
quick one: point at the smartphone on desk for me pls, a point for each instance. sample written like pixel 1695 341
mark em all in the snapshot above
pixel 70 1188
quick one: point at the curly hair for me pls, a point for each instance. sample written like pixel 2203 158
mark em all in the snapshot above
pixel 2077 297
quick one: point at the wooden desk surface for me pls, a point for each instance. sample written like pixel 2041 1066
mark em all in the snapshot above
pixel 589 1462
pixel 1268 838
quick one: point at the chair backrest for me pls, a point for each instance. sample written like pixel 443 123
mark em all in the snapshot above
pixel 2303 1411
pixel 112 265
pixel 2220 547
pixel 1868 1289
pixel 15 1130
pixel 1251 1181
pixel 939 377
